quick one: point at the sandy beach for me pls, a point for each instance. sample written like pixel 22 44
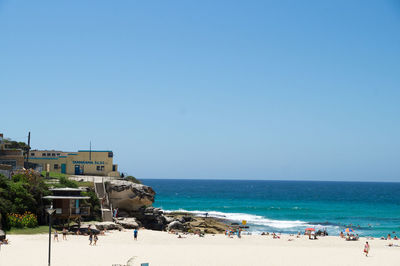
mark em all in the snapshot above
pixel 161 248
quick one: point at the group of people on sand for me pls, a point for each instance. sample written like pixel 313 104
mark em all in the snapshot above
pixel 389 237
pixel 349 237
pixel 64 233
pixel 230 232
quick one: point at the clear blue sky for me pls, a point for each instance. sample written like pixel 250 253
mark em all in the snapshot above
pixel 208 89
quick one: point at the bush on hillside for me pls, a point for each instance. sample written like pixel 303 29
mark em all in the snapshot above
pixel 133 179
pixel 65 182
pixel 94 204
pixel 24 192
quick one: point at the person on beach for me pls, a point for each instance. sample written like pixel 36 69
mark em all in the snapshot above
pixel 135 233
pixel 366 249
pixel 55 236
pixel 64 232
pixel 90 239
pixel 95 239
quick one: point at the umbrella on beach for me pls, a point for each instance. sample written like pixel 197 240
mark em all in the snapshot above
pixel 310 229
pixel 348 230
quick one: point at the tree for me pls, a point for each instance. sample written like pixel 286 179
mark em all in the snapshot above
pixel 11 144
pixel 24 192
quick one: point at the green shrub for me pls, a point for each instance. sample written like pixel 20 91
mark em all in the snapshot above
pixel 27 219
pixel 94 204
pixel 133 179
pixel 65 182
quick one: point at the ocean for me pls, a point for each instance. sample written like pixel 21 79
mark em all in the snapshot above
pixel 371 209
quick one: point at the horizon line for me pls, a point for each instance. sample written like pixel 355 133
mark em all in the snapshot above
pixel 283 180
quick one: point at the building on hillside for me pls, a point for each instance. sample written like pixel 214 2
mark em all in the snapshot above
pixel 83 162
pixel 12 157
pixel 69 203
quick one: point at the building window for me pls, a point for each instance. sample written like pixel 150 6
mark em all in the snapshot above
pixel 56 166
pixel 100 168
pixel 53 154
pixel 43 154
pixel 32 154
pixel 58 154
pixel 49 154
pixel 110 154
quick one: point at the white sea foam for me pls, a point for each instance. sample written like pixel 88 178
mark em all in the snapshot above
pixel 251 219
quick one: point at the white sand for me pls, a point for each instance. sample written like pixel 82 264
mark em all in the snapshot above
pixel 161 248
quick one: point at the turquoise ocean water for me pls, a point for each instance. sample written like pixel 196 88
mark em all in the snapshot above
pixel 372 209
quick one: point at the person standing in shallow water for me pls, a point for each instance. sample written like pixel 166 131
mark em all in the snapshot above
pixel 366 249
pixel 135 233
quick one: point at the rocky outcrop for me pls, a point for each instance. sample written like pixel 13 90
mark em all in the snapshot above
pixel 189 223
pixel 128 196
pixel 175 225
pixel 108 226
pixel 134 210
pixel 128 223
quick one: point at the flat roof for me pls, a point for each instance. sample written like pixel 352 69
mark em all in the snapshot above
pixel 68 189
pixel 66 197
pixel 92 151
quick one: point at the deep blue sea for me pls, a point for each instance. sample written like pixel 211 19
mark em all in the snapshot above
pixel 372 209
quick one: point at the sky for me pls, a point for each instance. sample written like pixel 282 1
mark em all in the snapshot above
pixel 278 90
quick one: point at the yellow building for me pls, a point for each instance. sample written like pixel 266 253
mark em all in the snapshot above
pixel 83 162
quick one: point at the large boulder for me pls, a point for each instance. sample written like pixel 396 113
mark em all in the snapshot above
pixel 169 219
pixel 108 226
pixel 129 196
pixel 128 223
pixel 176 225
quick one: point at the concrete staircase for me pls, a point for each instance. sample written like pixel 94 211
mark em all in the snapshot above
pixel 101 193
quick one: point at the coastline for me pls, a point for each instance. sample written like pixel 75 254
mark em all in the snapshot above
pixel 162 248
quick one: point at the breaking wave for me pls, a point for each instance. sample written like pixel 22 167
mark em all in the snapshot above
pixel 250 218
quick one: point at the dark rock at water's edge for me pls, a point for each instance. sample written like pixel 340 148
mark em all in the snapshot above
pixel 155 219
pixel 192 223
pixel 134 210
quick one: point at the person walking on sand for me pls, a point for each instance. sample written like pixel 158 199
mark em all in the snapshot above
pixel 95 239
pixel 366 249
pixel 64 232
pixel 135 232
pixel 55 235
pixel 90 239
